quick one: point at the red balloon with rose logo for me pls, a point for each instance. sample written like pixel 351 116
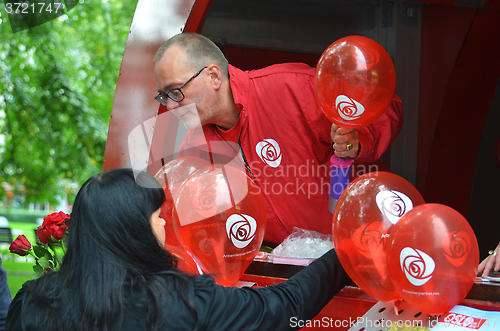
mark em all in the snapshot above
pixel 433 257
pixel 171 176
pixel 220 219
pixel 365 212
pixel 355 81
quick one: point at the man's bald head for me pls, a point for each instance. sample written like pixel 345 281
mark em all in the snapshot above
pixel 200 51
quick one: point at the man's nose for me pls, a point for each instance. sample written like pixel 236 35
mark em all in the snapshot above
pixel 171 104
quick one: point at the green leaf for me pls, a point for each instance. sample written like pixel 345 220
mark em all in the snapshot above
pixel 44 262
pixel 38 271
pixel 40 251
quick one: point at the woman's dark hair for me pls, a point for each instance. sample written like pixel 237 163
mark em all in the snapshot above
pixel 111 252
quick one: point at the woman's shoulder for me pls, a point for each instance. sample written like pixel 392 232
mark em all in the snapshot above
pixel 14 314
pixel 22 291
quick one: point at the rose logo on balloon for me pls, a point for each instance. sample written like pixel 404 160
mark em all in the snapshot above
pixel 205 202
pixel 417 265
pixel 393 204
pixel 365 60
pixel 241 229
pixel 348 108
pixel 456 247
pixel 371 57
pixel 269 152
pixel 206 246
pixel 370 240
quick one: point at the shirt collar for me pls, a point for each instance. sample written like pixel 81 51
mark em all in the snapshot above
pixel 240 84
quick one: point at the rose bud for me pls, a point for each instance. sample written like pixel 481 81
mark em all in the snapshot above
pixel 20 246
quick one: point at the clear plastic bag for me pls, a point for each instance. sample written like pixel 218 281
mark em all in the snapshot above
pixel 304 244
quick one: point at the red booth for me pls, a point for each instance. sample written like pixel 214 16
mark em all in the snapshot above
pixel 446 58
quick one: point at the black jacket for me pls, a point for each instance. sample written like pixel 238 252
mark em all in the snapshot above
pixel 229 308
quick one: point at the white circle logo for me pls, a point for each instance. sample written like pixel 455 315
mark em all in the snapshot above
pixel 393 204
pixel 269 152
pixel 417 265
pixel 348 108
pixel 241 229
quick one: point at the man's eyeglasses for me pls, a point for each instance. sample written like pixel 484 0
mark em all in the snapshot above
pixel 176 94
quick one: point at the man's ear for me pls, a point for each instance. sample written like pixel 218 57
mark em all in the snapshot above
pixel 215 76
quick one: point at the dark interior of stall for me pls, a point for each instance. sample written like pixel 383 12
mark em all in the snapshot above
pixel 446 55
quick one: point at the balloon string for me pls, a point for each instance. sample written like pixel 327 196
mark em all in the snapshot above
pixel 166 181
pixel 211 156
pixel 231 196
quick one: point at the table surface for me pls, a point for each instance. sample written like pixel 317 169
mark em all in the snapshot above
pixel 351 302
pixel 481 295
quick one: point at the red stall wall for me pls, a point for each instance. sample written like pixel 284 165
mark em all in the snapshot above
pixel 459 73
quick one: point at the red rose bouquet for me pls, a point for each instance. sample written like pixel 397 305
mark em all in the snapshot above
pixel 51 236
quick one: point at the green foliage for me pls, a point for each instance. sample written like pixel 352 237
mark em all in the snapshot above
pixel 57 83
pixel 18 271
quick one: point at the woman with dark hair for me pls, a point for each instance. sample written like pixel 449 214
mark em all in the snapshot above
pixel 117 276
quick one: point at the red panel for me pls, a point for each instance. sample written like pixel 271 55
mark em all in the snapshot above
pixel 463 114
pixel 444 30
pixel 198 16
pixel 135 82
pixel 163 141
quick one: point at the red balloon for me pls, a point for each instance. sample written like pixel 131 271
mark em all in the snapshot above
pixel 433 257
pixel 355 81
pixel 185 262
pixel 171 176
pixel 220 218
pixel 365 212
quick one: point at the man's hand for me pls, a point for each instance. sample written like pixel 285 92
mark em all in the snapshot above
pixel 345 141
pixel 492 262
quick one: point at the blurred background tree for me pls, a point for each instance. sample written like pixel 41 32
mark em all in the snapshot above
pixel 57 83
